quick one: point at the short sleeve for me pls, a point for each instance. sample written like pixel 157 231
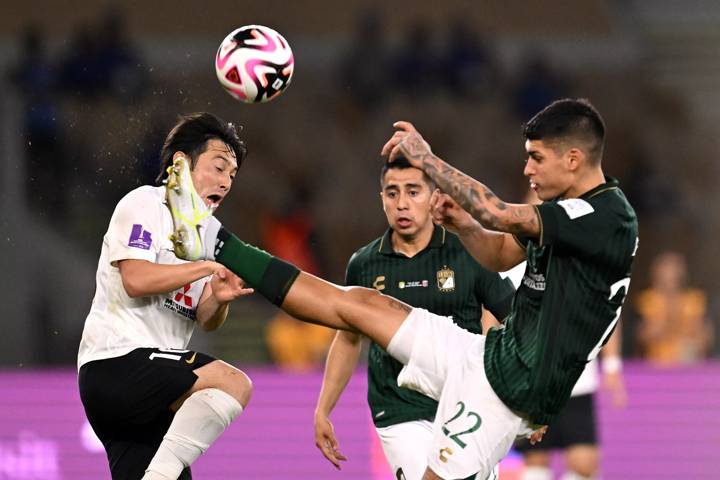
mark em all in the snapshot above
pixel 495 292
pixel 352 274
pixel 575 223
pixel 134 228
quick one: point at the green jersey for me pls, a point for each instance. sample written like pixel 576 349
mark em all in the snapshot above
pixel 568 303
pixel 444 279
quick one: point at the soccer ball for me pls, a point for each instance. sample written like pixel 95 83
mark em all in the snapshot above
pixel 254 64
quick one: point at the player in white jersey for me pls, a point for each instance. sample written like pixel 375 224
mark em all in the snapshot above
pixel 155 405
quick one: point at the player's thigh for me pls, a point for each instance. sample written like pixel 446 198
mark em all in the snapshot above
pixel 405 446
pixel 430 346
pixel 473 429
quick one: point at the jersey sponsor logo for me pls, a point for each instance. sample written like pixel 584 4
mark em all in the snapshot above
pixel 535 281
pixel 140 238
pixel 576 207
pixel 379 283
pixel 446 279
pixel 182 296
pixel 413 284
pixel 177 308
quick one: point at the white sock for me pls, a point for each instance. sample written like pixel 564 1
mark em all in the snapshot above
pixel 570 475
pixel 197 424
pixel 536 473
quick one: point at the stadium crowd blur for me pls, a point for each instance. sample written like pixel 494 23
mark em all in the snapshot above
pixel 94 109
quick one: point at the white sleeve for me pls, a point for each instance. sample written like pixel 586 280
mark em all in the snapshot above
pixel 134 227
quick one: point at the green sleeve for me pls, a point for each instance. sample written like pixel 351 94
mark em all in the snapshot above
pixel 576 224
pixel 352 272
pixel 494 292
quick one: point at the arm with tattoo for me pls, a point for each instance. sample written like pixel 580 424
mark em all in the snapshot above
pixel 473 196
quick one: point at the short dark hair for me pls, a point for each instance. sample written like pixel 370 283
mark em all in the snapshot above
pixel 401 163
pixel 191 134
pixel 569 119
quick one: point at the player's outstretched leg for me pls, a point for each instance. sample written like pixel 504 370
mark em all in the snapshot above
pixel 199 235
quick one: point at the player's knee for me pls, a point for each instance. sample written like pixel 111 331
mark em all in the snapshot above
pixel 227 378
pixel 242 387
pixel 582 462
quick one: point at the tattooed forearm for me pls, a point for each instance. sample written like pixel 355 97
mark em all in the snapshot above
pixel 479 200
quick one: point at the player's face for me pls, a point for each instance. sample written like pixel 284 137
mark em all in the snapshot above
pixel 548 170
pixel 214 172
pixel 406 201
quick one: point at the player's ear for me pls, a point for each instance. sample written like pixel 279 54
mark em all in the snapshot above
pixel 180 154
pixel 574 158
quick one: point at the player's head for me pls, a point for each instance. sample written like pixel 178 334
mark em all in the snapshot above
pixel 406 193
pixel 214 149
pixel 563 141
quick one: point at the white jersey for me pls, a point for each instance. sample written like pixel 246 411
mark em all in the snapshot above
pixel 588 381
pixel 117 324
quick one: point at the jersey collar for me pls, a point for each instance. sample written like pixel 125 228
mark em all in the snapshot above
pixel 611 183
pixel 436 241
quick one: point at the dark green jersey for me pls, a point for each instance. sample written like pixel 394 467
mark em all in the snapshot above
pixel 444 279
pixel 568 303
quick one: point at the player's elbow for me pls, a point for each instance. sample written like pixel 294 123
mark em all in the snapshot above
pixel 209 326
pixel 132 287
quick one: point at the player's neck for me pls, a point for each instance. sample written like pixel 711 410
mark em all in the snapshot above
pixel 586 182
pixel 411 245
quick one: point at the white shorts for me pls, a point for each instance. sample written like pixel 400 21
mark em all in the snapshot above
pixel 473 429
pixel 406 445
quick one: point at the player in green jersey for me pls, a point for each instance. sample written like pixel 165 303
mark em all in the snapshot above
pixel 425 266
pixel 579 245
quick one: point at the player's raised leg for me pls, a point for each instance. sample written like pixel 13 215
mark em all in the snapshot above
pixel 198 235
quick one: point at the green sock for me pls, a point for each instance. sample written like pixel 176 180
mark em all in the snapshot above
pixel 268 275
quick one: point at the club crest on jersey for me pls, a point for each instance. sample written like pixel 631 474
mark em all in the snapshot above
pixel 446 279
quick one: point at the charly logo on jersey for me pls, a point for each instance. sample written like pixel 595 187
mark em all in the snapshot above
pixel 446 279
pixel 402 284
pixel 379 283
pixel 140 238
pixel 182 302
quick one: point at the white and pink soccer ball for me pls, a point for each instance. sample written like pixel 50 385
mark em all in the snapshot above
pixel 254 64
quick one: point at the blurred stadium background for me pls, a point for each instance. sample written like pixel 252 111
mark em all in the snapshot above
pixel 90 89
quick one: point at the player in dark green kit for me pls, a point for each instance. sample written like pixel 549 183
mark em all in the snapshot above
pixel 579 245
pixel 425 266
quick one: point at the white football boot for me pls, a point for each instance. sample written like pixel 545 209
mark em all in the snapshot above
pixel 194 227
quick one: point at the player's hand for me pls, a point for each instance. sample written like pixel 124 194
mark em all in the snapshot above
pixel 226 286
pixel 406 142
pixel 537 435
pixel 446 212
pixel 327 443
pixel 615 385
